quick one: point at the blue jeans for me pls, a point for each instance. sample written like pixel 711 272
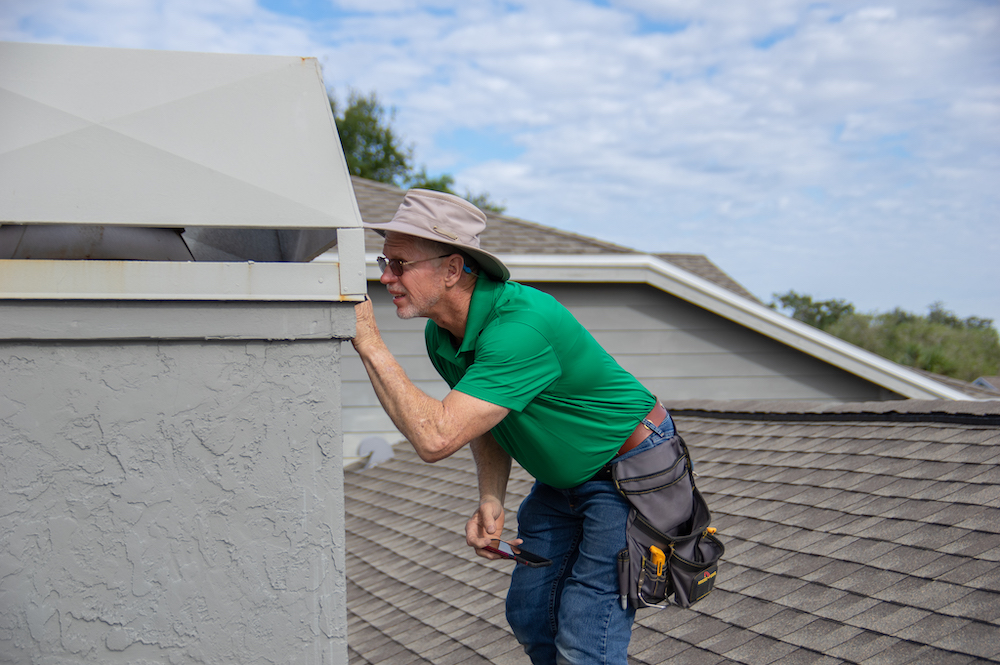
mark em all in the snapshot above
pixel 570 612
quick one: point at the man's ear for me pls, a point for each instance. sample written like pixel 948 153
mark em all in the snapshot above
pixel 456 269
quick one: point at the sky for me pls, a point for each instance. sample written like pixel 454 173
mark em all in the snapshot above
pixel 844 149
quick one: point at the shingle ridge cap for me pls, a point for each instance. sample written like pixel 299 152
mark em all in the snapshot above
pixel 661 255
pixel 368 182
pixel 613 248
pixel 969 412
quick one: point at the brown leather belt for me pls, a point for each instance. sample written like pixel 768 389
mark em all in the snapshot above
pixel 641 432
pixel 656 416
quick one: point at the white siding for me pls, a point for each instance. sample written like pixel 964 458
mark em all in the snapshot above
pixel 681 351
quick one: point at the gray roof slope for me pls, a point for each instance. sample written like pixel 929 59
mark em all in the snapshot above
pixel 863 533
pixel 973 390
pixel 701 266
pixel 990 383
pixel 378 201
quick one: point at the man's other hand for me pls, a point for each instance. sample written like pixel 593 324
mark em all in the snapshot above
pixel 485 525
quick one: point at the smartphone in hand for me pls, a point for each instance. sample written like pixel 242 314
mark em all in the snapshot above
pixel 506 551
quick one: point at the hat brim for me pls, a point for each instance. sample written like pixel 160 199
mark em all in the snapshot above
pixel 489 263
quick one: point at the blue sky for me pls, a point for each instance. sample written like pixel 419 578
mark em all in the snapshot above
pixel 844 149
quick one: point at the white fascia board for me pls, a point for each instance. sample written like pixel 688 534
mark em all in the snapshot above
pixel 646 269
pixel 38 279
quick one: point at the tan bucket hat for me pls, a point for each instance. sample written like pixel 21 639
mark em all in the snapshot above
pixel 445 218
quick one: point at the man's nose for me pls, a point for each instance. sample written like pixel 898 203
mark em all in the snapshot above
pixel 387 277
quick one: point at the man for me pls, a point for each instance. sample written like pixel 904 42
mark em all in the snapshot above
pixel 528 382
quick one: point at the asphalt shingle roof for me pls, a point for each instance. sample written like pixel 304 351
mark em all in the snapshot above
pixel 858 533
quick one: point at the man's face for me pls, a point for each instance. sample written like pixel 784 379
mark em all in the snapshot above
pixel 420 287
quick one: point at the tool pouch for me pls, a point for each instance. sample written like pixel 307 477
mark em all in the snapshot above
pixel 669 513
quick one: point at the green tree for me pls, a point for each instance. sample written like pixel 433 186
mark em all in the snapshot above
pixel 484 202
pixel 374 151
pixel 820 314
pixel 939 342
pixel 420 179
pixel 444 182
pixel 370 145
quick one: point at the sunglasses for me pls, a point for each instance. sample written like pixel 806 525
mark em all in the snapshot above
pixel 396 265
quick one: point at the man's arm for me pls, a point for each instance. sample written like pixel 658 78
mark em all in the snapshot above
pixel 493 471
pixel 435 428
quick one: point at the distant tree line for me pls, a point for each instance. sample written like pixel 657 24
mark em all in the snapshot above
pixel 374 150
pixel 938 342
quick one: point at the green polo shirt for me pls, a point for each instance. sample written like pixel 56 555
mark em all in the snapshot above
pixel 572 405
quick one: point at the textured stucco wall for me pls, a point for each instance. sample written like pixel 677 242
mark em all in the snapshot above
pixel 171 502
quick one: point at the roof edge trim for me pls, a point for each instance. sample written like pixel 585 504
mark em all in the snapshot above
pixel 985 420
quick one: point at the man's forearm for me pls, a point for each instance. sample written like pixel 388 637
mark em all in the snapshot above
pixel 435 428
pixel 492 468
pixel 415 413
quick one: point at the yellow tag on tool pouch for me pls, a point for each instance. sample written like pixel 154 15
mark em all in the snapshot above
pixel 658 558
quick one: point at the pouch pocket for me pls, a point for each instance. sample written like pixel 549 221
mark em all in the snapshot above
pixel 693 580
pixel 654 584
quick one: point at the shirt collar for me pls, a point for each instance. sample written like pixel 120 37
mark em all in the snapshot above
pixel 481 306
